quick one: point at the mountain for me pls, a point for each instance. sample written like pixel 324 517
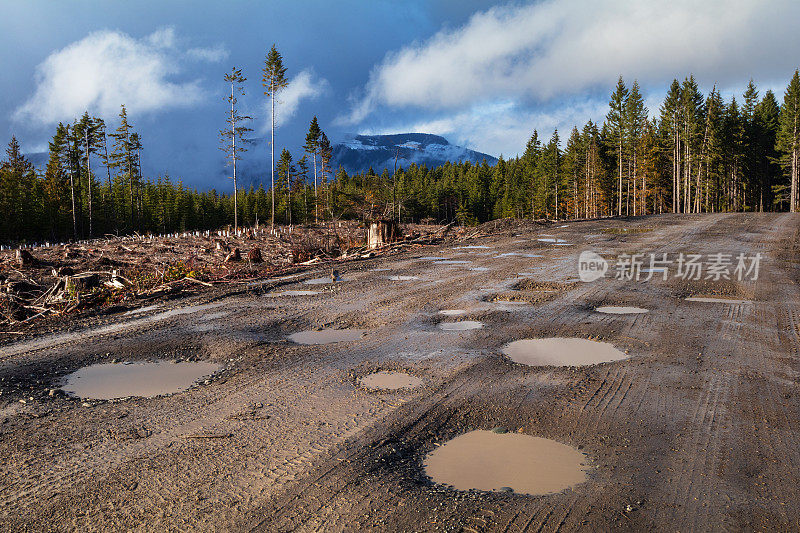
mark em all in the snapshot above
pixel 359 153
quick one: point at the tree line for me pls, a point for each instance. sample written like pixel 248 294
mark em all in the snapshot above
pixel 698 153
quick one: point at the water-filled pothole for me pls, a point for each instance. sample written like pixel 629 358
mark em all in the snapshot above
pixel 292 293
pixel 493 461
pixel 561 351
pixel 710 300
pixel 620 309
pixel 464 325
pixel 452 262
pixel 109 381
pixel 324 281
pixel 403 278
pixel 390 381
pixel 452 312
pixel 326 336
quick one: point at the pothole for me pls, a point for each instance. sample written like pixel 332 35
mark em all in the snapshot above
pixel 464 325
pixel 620 309
pixel 506 462
pixel 479 269
pixel 326 336
pixel 324 281
pixel 109 381
pixel 472 247
pixel 452 262
pixel 452 312
pixel 292 293
pixel 403 278
pixel 390 381
pixel 561 351
pixel 707 299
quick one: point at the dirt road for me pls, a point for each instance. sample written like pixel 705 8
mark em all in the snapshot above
pixel 697 430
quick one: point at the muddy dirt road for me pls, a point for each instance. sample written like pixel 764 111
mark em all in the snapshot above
pixel 697 429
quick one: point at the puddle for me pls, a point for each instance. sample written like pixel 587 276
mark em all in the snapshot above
pixel 108 381
pixel 323 281
pixel 390 381
pixel 464 325
pixel 552 240
pixel 326 336
pixel 431 258
pixel 452 312
pixel 292 293
pixel 517 254
pixel 403 278
pixel 141 310
pixel 560 351
pixel 184 311
pixel 380 269
pixel 620 310
pixel 511 302
pixel 490 461
pixel 472 247
pixel 716 300
pixel 452 262
pixel 479 269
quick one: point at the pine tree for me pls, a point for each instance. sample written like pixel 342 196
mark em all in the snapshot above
pixel 122 160
pixel 617 130
pixel 789 137
pixel 273 80
pixel 235 130
pixel 312 147
pixel 635 120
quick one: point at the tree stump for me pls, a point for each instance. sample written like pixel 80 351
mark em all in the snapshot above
pixel 254 255
pixel 25 258
pixel 82 282
pixel 234 256
pixel 383 232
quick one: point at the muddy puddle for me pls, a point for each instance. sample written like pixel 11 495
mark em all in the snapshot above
pixel 479 269
pixel 552 240
pixel 506 462
pixel 471 247
pixel 712 300
pixel 292 293
pixel 561 351
pixel 452 312
pixel 323 281
pixel 326 336
pixel 403 278
pixel 464 325
pixel 390 381
pixel 109 381
pixel 620 309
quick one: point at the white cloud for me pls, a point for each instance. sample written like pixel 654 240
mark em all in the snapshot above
pixel 212 55
pixel 494 127
pixel 301 87
pixel 535 52
pixel 106 69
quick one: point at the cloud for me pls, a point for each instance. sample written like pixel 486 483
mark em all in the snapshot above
pixel 211 55
pixel 106 69
pixel 533 53
pixel 301 87
pixel 494 127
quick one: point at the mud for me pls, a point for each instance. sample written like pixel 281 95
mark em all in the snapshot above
pixel 464 325
pixel 508 462
pixel 109 381
pixel 326 336
pixel 390 381
pixel 560 351
pixel 620 309
pixel 696 431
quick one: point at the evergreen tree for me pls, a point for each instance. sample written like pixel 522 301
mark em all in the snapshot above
pixel 235 130
pixel 617 130
pixel 312 147
pixel 788 138
pixel 273 80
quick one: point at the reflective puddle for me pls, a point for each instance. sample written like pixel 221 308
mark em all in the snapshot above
pixel 390 381
pixel 403 278
pixel 716 300
pixel 292 293
pixel 108 381
pixel 326 336
pixel 452 262
pixel 452 312
pixel 620 310
pixel 464 325
pixel 323 281
pixel 490 461
pixel 560 351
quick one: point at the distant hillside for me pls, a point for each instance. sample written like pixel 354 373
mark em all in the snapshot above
pixel 361 152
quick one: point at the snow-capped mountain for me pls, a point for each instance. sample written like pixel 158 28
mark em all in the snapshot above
pixel 359 153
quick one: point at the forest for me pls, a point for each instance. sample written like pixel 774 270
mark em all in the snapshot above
pixel 697 153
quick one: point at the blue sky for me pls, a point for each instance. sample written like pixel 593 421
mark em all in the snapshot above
pixel 483 74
